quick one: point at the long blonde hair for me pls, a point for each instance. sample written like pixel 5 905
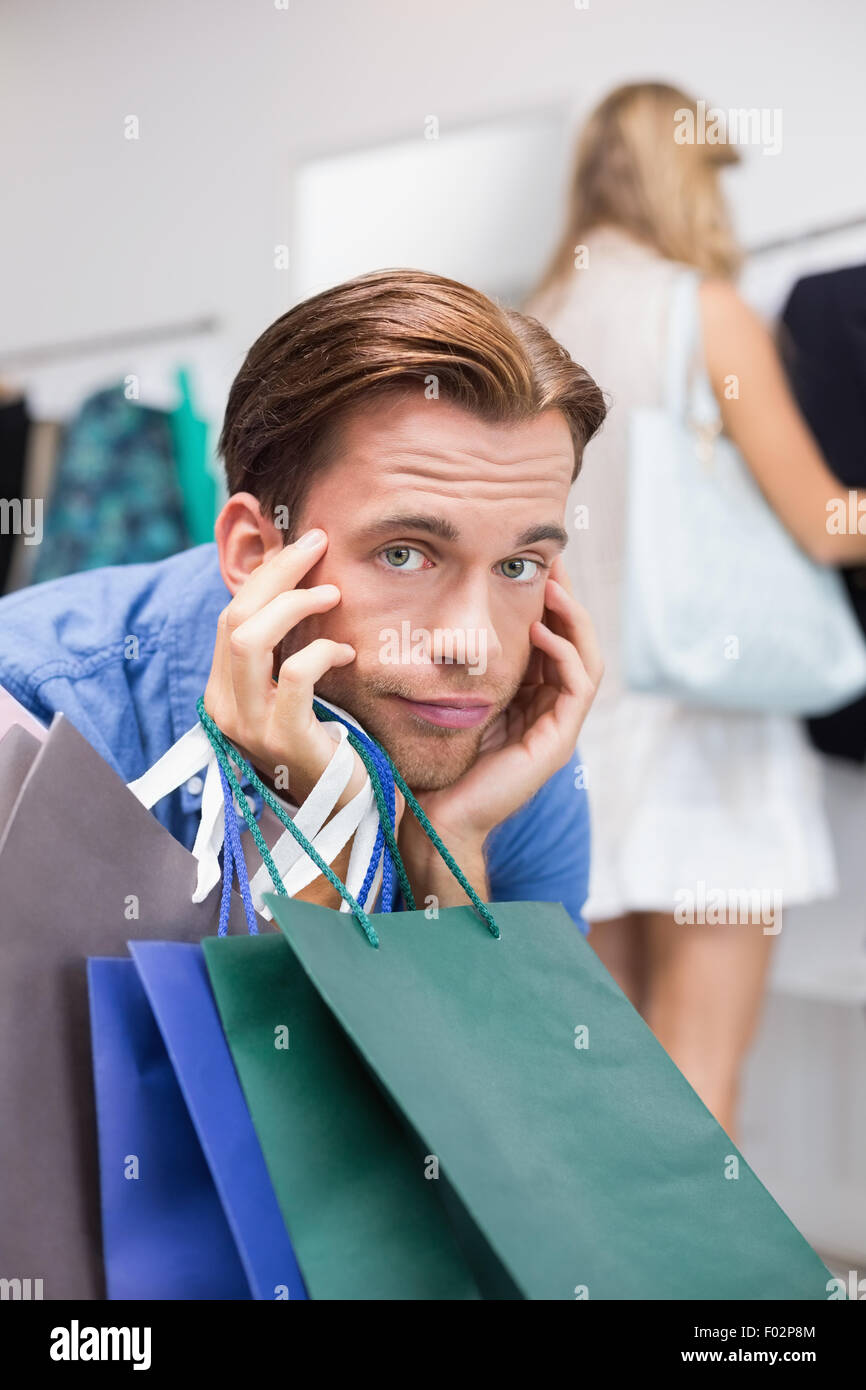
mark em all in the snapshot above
pixel 630 172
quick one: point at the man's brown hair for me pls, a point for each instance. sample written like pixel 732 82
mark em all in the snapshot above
pixel 390 330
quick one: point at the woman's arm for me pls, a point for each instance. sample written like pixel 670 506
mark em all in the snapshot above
pixel 768 429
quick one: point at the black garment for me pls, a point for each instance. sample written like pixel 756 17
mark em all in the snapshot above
pixel 14 429
pixel 825 351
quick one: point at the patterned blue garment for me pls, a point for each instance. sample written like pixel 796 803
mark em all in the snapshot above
pixel 125 652
pixel 116 498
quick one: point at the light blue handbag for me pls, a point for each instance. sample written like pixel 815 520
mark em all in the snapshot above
pixel 721 607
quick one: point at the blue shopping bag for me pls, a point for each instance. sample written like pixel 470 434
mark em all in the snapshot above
pixel 176 982
pixel 188 1210
pixel 187 1203
pixel 164 1232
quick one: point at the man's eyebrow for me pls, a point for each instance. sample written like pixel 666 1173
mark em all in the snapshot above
pixel 414 521
pixel 447 531
pixel 545 532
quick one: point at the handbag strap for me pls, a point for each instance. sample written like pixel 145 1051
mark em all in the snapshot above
pixel 688 394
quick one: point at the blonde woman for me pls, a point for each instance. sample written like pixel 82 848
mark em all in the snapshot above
pixel 683 800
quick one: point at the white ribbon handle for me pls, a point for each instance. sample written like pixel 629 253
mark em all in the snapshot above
pixel 193 754
pixel 293 864
pixel 211 831
pixel 183 760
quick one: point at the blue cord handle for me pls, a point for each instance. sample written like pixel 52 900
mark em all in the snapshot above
pixel 234 862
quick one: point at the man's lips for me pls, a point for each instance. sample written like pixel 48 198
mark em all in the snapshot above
pixel 450 712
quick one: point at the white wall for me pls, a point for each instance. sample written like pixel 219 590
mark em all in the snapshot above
pixel 101 233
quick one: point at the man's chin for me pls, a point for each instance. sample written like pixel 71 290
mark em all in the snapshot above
pixel 430 761
pixel 422 776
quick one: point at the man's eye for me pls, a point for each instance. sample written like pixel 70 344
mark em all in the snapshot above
pixel 524 570
pixel 403 557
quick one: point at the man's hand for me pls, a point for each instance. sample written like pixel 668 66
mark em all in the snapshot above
pixel 533 738
pixel 272 723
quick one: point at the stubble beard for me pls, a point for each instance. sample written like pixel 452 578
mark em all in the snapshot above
pixel 429 760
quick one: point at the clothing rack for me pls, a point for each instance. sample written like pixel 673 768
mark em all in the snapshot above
pixel 848 224
pixel 161 333
pixel 108 342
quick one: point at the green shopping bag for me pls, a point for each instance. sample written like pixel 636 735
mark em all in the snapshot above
pixel 364 1222
pixel 571 1157
pixel 587 1163
pixel 348 1180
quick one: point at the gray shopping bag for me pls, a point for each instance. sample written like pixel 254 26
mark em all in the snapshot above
pixel 18 748
pixel 84 868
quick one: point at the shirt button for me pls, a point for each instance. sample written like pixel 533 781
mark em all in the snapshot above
pixel 195 786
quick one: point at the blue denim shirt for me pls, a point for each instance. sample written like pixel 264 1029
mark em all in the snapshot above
pixel 124 653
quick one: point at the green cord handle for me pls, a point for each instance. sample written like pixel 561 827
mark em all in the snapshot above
pixel 224 750
pixel 384 817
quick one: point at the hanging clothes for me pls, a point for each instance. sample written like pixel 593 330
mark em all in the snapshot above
pixel 191 445
pixel 117 499
pixel 14 430
pixel 40 467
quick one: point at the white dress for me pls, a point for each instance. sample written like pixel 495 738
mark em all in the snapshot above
pixel 679 796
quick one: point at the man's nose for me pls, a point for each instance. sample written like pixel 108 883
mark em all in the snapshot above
pixel 467 611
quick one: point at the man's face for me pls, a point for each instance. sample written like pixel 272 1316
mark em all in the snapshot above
pixel 440 531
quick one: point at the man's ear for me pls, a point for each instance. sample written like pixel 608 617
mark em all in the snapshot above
pixel 245 538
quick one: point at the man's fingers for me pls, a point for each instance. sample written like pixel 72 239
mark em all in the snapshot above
pixel 262 632
pixel 251 648
pixel 558 572
pixel 218 695
pixel 295 684
pixel 572 675
pixel 577 628
pixel 279 572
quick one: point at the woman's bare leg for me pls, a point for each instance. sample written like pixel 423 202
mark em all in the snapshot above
pixel 620 946
pixel 705 986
